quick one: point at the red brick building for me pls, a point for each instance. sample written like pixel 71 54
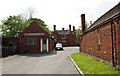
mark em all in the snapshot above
pixel 66 37
pixel 35 39
pixel 102 38
pixel 7 40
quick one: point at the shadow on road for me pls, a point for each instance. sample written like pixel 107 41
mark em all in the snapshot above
pixel 38 54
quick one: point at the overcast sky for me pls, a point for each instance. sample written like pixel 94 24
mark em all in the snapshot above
pixel 58 12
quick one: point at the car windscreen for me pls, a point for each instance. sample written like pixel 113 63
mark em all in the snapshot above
pixel 58 45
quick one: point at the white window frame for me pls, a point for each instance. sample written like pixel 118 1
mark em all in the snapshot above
pixel 31 41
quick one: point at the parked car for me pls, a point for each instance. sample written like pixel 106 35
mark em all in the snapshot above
pixel 59 46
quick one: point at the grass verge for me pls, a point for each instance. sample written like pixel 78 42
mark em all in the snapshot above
pixel 89 65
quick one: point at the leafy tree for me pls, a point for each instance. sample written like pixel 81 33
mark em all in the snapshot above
pixel 78 33
pixel 31 12
pixel 13 25
pixel 39 21
pixel 91 22
pixel 87 25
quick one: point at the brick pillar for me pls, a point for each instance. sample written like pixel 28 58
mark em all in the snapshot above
pixel 83 23
pixel 73 28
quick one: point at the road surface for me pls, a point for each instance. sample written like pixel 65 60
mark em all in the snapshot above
pixel 53 63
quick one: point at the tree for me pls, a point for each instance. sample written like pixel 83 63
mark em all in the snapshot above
pixel 16 24
pixel 91 22
pixel 31 12
pixel 87 25
pixel 39 21
pixel 13 25
pixel 78 33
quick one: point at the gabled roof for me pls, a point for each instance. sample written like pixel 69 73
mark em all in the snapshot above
pixel 63 32
pixel 34 27
pixel 53 33
pixel 108 15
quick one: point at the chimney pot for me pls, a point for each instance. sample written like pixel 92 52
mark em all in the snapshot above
pixel 54 26
pixel 83 23
pixel 62 28
pixel 70 27
pixel 73 28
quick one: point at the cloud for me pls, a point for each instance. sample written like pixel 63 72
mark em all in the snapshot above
pixel 59 12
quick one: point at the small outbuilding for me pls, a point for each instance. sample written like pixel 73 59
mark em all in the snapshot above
pixel 35 39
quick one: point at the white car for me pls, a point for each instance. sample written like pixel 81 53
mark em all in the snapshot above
pixel 58 46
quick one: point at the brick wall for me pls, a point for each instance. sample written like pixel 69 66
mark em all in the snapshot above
pixel 31 48
pixel 65 41
pixel 51 45
pixel 7 40
pixel 72 39
pixel 117 24
pixel 98 42
pixel 57 37
pixel 102 38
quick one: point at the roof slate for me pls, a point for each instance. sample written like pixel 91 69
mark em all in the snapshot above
pixel 111 13
pixel 63 32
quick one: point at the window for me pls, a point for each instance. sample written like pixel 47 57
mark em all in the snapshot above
pixel 63 36
pixel 31 41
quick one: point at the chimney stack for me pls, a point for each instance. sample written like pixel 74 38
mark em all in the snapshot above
pixel 83 23
pixel 73 28
pixel 62 28
pixel 70 27
pixel 54 26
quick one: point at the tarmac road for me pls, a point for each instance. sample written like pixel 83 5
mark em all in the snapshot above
pixel 53 63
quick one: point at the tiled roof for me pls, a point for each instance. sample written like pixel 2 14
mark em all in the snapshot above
pixel 63 32
pixel 111 13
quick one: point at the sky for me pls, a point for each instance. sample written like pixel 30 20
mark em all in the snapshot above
pixel 57 12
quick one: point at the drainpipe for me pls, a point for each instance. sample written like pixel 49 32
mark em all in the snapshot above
pixel 112 44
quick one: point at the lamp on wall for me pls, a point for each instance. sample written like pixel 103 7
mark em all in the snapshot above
pixel 52 37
